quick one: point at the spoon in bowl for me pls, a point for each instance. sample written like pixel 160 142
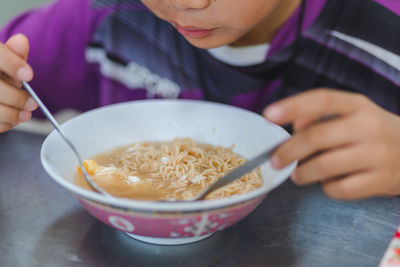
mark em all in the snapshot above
pixel 238 172
pixel 249 166
pixel 54 122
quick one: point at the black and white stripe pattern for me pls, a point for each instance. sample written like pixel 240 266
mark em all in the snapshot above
pixel 353 45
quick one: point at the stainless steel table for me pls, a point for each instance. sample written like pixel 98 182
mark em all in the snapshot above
pixel 41 224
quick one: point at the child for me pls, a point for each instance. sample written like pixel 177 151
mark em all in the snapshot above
pixel 249 53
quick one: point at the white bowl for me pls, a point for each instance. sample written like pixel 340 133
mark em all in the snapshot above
pixel 163 120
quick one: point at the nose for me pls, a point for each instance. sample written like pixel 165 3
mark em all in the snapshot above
pixel 189 4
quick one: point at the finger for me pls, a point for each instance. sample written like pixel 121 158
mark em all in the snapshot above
pixel 301 124
pixel 353 187
pixel 333 163
pixel 9 80
pixel 15 97
pixel 13 65
pixel 19 44
pixel 4 127
pixel 312 105
pixel 321 136
pixel 13 115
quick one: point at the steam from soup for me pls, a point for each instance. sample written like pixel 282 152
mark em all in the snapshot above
pixel 167 170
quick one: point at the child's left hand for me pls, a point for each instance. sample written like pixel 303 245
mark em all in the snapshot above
pixel 354 155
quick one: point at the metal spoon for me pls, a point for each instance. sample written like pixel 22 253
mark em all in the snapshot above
pixel 58 128
pixel 233 175
pixel 249 166
pixel 238 172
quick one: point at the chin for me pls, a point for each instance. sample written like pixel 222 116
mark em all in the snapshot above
pixel 209 42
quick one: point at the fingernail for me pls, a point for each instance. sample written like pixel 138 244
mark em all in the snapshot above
pixel 275 162
pixel 30 105
pixel 13 124
pixel 273 113
pixel 24 74
pixel 24 115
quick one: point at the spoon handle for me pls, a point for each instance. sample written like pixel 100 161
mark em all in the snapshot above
pixel 42 107
pixel 252 164
pixel 57 127
pixel 239 172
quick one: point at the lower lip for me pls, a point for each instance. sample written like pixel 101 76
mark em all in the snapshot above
pixel 193 33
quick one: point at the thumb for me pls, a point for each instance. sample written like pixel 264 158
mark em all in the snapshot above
pixel 19 43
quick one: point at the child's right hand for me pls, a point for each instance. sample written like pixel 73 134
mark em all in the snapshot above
pixel 15 104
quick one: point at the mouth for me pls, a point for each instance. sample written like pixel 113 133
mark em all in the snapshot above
pixel 193 31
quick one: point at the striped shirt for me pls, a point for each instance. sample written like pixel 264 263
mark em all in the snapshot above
pixel 90 53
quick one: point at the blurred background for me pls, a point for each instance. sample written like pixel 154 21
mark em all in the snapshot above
pixel 10 8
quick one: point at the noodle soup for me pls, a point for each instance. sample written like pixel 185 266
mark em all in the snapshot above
pixel 176 170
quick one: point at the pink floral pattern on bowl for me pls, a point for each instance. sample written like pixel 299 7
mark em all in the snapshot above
pixel 170 224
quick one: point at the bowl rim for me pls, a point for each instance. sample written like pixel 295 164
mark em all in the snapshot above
pixel 154 205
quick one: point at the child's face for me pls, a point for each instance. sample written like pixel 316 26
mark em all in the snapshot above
pixel 212 23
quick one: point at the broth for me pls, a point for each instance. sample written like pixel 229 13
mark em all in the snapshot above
pixel 167 170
